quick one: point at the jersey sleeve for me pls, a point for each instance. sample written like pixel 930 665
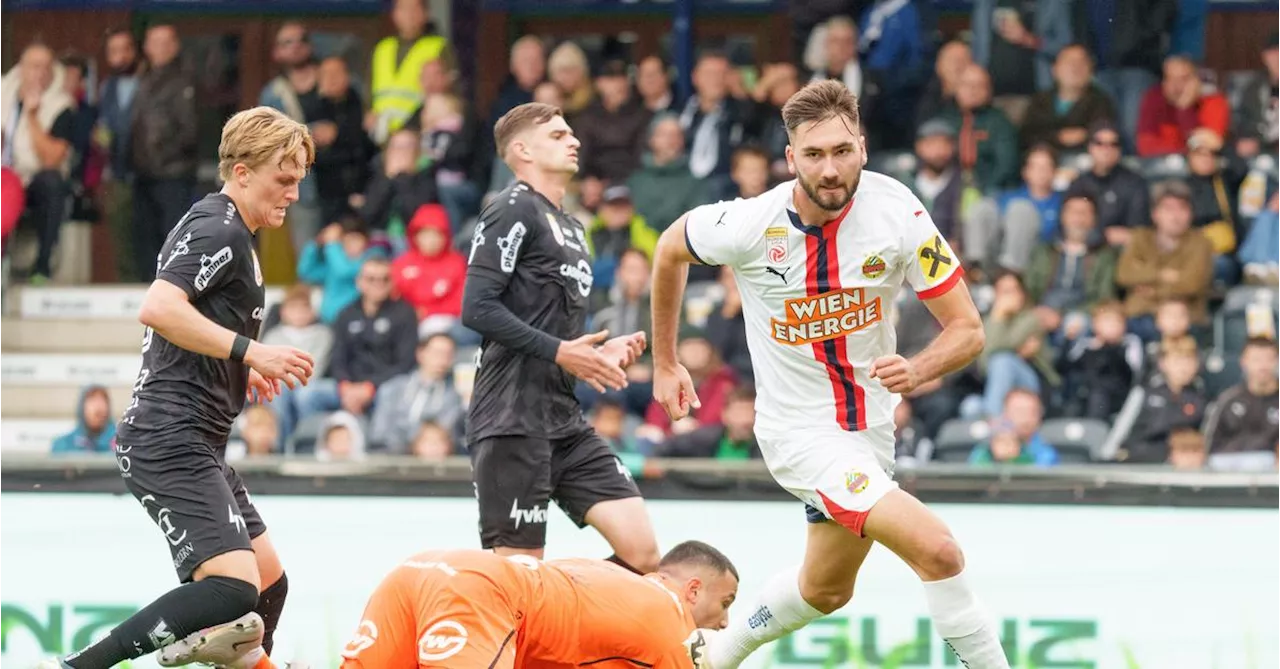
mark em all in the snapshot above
pixel 200 256
pixel 933 268
pixel 716 234
pixel 501 239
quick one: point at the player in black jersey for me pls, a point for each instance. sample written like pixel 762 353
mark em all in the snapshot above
pixel 528 281
pixel 199 359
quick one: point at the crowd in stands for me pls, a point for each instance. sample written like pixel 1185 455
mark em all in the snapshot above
pixel 1112 200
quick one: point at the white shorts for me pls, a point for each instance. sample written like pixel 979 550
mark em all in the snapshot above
pixel 839 475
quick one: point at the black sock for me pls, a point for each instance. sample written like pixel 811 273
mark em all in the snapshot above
pixel 179 612
pixel 270 604
pixel 623 563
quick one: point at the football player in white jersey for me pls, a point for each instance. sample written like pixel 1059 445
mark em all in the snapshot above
pixel 818 261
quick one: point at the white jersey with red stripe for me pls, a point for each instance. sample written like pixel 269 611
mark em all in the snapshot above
pixel 818 301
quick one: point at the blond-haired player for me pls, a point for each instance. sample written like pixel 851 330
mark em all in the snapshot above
pixel 199 359
pixel 819 261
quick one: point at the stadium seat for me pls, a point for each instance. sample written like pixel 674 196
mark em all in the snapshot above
pixel 1233 324
pixel 1076 440
pixel 1220 372
pixel 956 439
pixel 305 433
pixel 1158 168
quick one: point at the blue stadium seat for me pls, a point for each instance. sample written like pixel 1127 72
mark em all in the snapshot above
pixel 957 437
pixel 1076 440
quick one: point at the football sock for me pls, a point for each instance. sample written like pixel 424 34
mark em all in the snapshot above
pixel 623 563
pixel 968 629
pixel 179 612
pixel 270 604
pixel 779 609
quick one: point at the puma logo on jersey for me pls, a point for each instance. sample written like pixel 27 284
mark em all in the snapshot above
pixel 836 313
pixel 781 273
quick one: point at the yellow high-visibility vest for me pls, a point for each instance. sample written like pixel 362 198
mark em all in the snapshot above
pixel 397 91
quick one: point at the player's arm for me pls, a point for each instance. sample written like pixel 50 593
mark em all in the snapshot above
pixel 962 337
pixel 671 260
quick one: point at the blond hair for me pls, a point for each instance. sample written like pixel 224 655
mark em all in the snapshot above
pixel 518 120
pixel 819 101
pixel 253 137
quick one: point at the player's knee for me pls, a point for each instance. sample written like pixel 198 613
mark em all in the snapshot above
pixel 640 553
pixel 237 596
pixel 826 597
pixel 942 559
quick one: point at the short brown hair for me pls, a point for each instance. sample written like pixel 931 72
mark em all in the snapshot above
pixel 1171 188
pixel 1180 346
pixel 254 135
pixel 1109 307
pixel 820 101
pixel 519 119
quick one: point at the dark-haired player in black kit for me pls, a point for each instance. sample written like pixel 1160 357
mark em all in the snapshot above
pixel 199 360
pixel 526 293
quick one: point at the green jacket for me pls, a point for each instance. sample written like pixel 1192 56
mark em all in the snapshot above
pixel 996 167
pixel 643 237
pixel 1099 273
pixel 1009 335
pixel 663 193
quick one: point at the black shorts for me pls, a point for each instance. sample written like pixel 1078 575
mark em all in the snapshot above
pixel 516 477
pixel 196 499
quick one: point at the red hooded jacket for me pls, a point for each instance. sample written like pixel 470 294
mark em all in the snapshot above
pixel 431 284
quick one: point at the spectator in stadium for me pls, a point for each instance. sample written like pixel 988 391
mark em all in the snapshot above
pixel 940 93
pixel 1260 252
pixel 1016 42
pixel 1215 187
pixel 748 173
pixel 1171 259
pixel 840 55
pixel 570 71
pixel 763 116
pixel 727 329
pixel 1062 115
pixel 1019 235
pixel 430 275
pixel 95 431
pixel 895 45
pixel 298 328
pixel 731 438
pixel 1170 400
pixel 1244 418
pixel 1121 195
pixel 712 379
pixel 260 432
pixel 164 148
pixel 1173 322
pixel 937 180
pixel 711 119
pixel 1126 40
pixel 663 188
pixel 1017 355
pixel 609 419
pixel 1187 449
pixel 1015 434
pixel 332 261
pixel 614 230
pixel 396 66
pixel 653 85
pixel 448 138
pixel 1098 371
pixel 296 92
pixel 988 142
pixel 399 186
pixel 341 438
pixel 115 108
pixel 343 148
pixel 625 308
pixel 1068 277
pixel 910 445
pixel 38 129
pixel 612 129
pixel 527 67
pixel 1257 121
pixel 1177 107
pixel 433 443
pixel 374 340
pixel 86 168
pixel 425 395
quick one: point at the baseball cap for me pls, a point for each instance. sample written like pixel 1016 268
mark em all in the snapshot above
pixel 614 194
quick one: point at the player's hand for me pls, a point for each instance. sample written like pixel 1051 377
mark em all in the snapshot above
pixel 625 349
pixel 896 374
pixel 581 358
pixel 284 363
pixel 261 390
pixel 673 389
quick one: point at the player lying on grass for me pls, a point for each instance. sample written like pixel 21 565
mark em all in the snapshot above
pixel 471 608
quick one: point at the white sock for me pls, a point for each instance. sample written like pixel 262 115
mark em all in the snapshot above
pixel 778 610
pixel 967 628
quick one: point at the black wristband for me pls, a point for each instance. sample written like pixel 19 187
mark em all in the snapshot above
pixel 239 347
